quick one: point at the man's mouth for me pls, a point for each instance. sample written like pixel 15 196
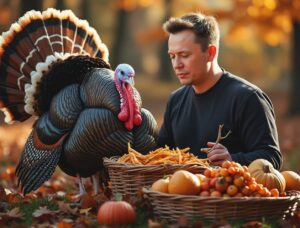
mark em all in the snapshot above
pixel 182 75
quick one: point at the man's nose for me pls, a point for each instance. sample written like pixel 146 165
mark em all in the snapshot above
pixel 177 63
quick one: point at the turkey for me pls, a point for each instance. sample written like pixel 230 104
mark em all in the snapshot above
pixel 55 67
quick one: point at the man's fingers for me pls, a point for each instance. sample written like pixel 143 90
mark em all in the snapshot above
pixel 216 155
pixel 212 144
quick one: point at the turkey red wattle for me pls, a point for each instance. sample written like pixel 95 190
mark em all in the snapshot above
pixel 129 113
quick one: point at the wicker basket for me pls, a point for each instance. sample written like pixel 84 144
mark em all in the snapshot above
pixel 128 179
pixel 172 206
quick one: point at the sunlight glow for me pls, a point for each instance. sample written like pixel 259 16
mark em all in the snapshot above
pixel 273 37
pixel 253 11
pixel 270 4
pixel 284 22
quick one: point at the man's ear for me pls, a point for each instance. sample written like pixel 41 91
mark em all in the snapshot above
pixel 212 51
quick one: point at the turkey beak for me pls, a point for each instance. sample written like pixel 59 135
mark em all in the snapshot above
pixel 130 79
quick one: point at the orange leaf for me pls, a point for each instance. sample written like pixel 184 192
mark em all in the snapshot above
pixel 14 198
pixel 88 201
pixel 63 224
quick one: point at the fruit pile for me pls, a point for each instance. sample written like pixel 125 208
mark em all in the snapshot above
pixel 229 180
pixel 233 180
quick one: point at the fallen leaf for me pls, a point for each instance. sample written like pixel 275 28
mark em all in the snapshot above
pixel 87 201
pixel 14 198
pixel 65 208
pixel 42 211
pixel 63 224
pixel 43 215
pixel 85 211
pixel 101 198
pixel 13 213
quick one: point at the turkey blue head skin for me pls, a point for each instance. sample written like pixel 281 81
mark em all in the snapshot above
pixel 125 73
pixel 129 111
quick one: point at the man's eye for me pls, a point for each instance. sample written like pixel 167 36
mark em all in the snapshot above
pixel 172 56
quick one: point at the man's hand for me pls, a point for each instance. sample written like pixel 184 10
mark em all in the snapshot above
pixel 218 154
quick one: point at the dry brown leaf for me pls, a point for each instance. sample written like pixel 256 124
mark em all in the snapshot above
pixel 85 211
pixel 42 211
pixel 87 201
pixel 13 213
pixel 65 208
pixel 101 197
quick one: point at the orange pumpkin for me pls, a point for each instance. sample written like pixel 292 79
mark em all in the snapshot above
pixel 265 174
pixel 184 182
pixel 113 213
pixel 161 185
pixel 292 180
pixel 200 176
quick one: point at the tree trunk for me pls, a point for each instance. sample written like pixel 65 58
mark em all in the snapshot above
pixel 165 70
pixel 294 106
pixel 60 5
pixel 122 18
pixel 85 10
pixel 30 5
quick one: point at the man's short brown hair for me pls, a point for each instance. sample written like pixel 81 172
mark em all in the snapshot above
pixel 205 28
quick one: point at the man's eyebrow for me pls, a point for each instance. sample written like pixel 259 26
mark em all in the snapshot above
pixel 180 52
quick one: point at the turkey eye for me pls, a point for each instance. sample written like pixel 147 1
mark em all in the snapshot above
pixel 122 72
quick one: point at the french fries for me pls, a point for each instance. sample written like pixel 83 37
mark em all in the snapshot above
pixel 162 155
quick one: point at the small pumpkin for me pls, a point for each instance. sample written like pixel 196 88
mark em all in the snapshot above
pixel 265 174
pixel 184 182
pixel 292 180
pixel 161 185
pixel 114 213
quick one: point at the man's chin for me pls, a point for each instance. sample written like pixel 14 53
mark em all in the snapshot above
pixel 184 81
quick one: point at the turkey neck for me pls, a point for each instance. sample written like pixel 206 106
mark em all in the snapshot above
pixel 130 102
pixel 129 113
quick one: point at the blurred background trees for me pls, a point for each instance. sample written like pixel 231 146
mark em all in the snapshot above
pixel 261 34
pixel 260 41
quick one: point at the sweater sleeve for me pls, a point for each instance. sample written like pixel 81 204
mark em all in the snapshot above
pixel 257 128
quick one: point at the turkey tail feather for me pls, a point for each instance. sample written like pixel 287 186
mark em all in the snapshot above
pixel 29 49
pixel 37 164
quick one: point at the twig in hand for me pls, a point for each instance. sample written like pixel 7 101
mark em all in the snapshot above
pixel 219 138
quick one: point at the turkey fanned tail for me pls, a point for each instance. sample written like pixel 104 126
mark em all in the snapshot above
pixel 38 162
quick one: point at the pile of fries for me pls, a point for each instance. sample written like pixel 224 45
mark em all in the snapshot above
pixel 163 155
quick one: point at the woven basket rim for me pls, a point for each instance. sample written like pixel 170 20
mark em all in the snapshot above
pixel 112 162
pixel 192 206
pixel 147 191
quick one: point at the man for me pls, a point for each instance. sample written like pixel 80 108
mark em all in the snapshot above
pixel 210 97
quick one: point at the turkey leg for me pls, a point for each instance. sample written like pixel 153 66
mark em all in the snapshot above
pixel 82 190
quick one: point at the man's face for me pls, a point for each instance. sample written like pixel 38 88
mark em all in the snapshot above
pixel 189 62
